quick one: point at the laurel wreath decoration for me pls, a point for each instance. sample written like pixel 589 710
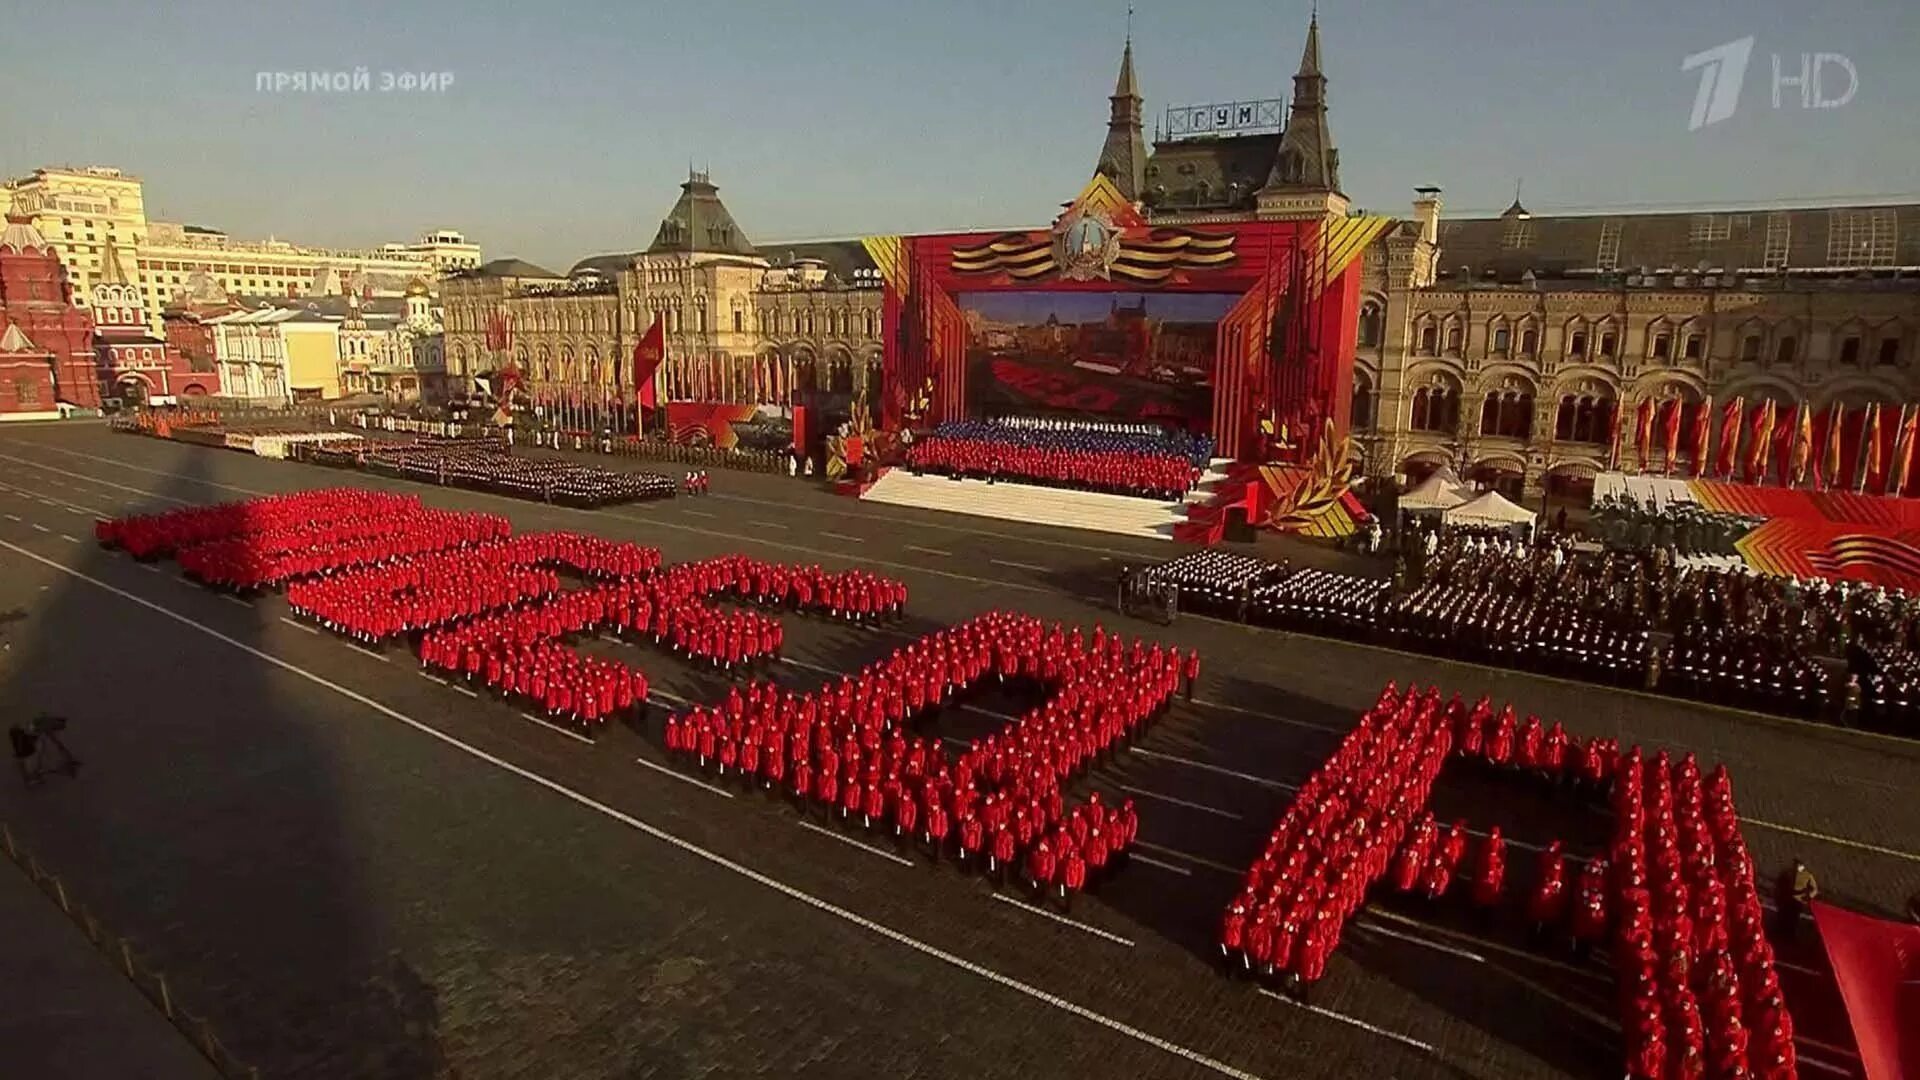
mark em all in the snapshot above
pixel 1330 473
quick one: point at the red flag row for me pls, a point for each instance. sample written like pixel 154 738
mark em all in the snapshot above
pixel 1863 449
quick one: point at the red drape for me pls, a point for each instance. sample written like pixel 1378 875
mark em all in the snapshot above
pixel 1877 964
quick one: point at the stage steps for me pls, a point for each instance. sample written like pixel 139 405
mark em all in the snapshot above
pixel 1120 514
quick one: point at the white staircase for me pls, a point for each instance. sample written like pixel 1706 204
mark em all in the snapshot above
pixel 1037 505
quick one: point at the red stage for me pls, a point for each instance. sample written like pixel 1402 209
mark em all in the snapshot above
pixel 1184 338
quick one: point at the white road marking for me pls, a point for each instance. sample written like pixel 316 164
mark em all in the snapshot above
pixel 37 527
pixel 1423 942
pixel 844 536
pixel 70 538
pixel 467 690
pixel 122 487
pixel 232 599
pixel 1236 871
pixel 431 677
pixel 1249 777
pixel 1353 1020
pixel 364 651
pixel 550 726
pixel 934 952
pixel 149 567
pixel 683 777
pixel 1862 845
pixel 1811 1041
pixel 698 513
pixel 13 517
pixel 1788 965
pixel 1018 565
pixel 300 625
pixel 1826 1066
pixel 1202 807
pixel 1181 870
pixel 1056 917
pixel 931 551
pixel 851 842
pixel 1376 911
pixel 1255 713
pixel 770 525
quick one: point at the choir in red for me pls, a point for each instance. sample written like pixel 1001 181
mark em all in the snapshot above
pixel 1160 476
pixel 1673 898
pixel 847 749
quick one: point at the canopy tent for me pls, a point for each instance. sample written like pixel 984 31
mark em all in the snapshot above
pixel 1441 491
pixel 1489 509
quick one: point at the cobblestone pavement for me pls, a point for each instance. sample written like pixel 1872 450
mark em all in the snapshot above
pixel 358 871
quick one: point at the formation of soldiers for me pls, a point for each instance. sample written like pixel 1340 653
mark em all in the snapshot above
pixel 148 536
pixel 1160 466
pixel 494 469
pixel 846 750
pixel 1835 650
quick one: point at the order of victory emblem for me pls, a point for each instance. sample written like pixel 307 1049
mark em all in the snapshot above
pixel 1085 246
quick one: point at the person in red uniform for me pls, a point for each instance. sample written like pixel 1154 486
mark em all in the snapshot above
pixel 1490 872
pixel 1547 903
pixel 1589 918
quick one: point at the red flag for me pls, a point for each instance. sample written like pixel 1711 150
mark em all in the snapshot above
pixel 1702 436
pixel 1875 473
pixel 1670 436
pixel 1784 429
pixel 1761 444
pixel 1730 414
pixel 1830 459
pixel 1903 449
pixel 647 354
pixel 1643 433
pixel 1802 453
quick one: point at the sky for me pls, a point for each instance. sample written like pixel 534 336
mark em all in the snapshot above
pixel 569 124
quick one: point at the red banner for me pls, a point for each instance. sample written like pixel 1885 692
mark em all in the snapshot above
pixel 1762 442
pixel 1670 435
pixel 1903 450
pixel 1643 433
pixel 1877 964
pixel 647 355
pixel 1702 436
pixel 1802 455
pixel 1874 472
pixel 1729 436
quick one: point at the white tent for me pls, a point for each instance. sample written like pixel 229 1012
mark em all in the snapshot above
pixel 1436 492
pixel 1490 509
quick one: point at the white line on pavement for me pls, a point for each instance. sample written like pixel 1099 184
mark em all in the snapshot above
pixel 13 517
pixel 1202 807
pixel 1423 942
pixel 1207 703
pixel 1018 565
pixel 683 778
pixel 1236 871
pixel 933 952
pixel 1249 777
pixel 769 525
pixel 844 536
pixel 37 527
pixel 550 726
pixel 369 653
pixel 1353 1020
pixel 931 551
pixel 1803 969
pixel 1075 923
pixel 232 599
pixel 698 513
pixel 299 625
pixel 70 538
pixel 1181 870
pixel 1910 856
pixel 1375 911
pixel 149 567
pixel 851 842
pixel 1826 1066
pixel 467 690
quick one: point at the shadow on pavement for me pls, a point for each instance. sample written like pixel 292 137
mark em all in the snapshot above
pixel 213 822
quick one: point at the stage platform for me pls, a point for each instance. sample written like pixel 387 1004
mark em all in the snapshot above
pixel 1122 515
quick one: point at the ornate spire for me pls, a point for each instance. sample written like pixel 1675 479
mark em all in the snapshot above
pixel 1307 160
pixel 113 268
pixel 1123 158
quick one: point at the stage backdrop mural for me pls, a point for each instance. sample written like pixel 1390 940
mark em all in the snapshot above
pixel 1113 355
pixel 1283 298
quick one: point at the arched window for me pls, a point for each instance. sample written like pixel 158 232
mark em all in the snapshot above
pixel 867 322
pixel 809 323
pixel 1783 355
pixel 1502 339
pixel 1850 350
pixel 1372 321
pixel 1453 340
pixel 1429 337
pixel 1529 342
pixel 1360 418
pixel 1435 409
pixel 1507 414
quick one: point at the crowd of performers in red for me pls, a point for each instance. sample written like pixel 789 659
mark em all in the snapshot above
pixel 1673 898
pixel 148 536
pixel 846 749
pixel 1159 476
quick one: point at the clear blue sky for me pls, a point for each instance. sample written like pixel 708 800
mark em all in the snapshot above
pixel 570 123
